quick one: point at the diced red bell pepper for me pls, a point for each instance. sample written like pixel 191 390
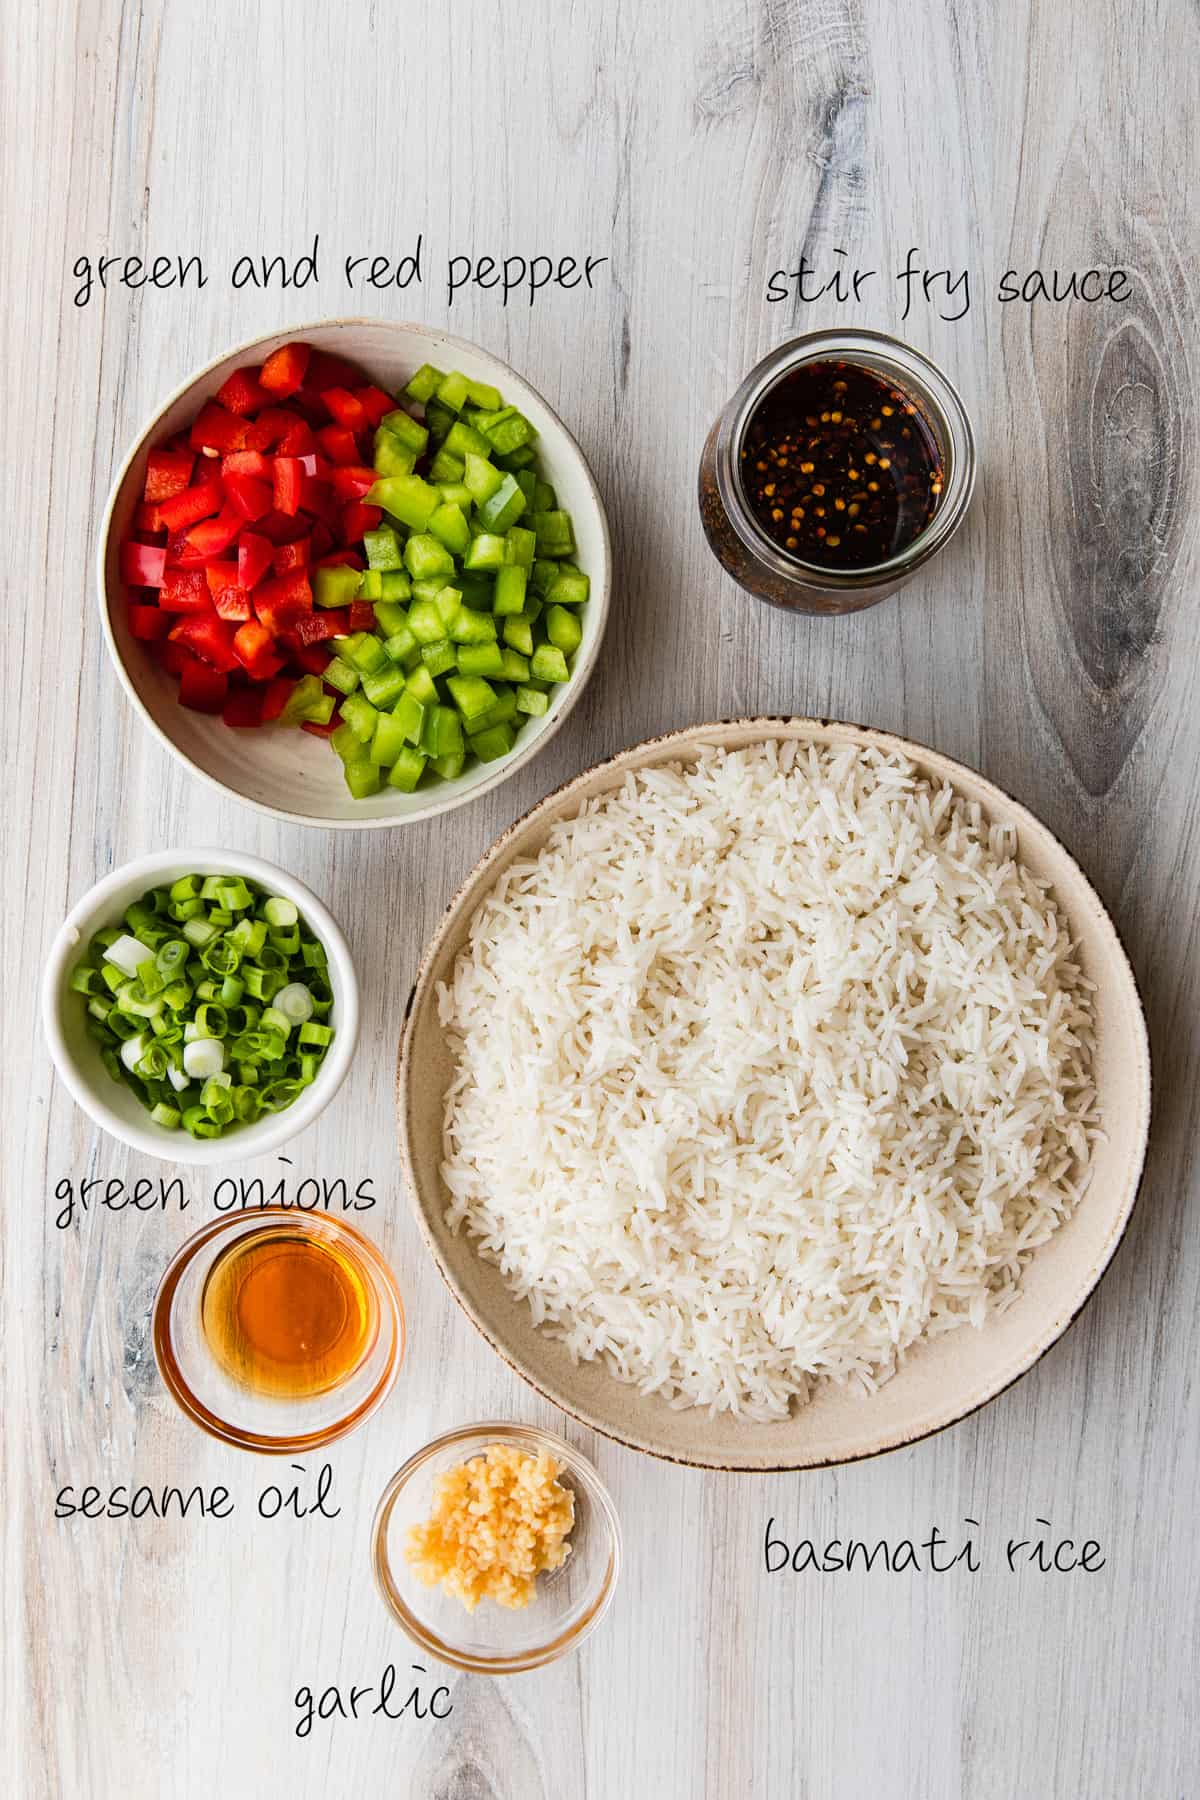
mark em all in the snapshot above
pixel 142 565
pixel 282 600
pixel 184 591
pixel 297 440
pixel 212 536
pixel 290 480
pixel 321 731
pixel 314 628
pixel 167 472
pixel 242 394
pixel 357 519
pixel 251 497
pixel 246 462
pixel 284 370
pixel 321 538
pixel 320 503
pixel 291 556
pixel 233 603
pixel 345 408
pixel 339 445
pixel 194 503
pixel 351 481
pixel 281 529
pixel 148 520
pixel 217 429
pixel 327 370
pixel 208 637
pixel 374 402
pixel 230 600
pixel 202 688
pixel 254 648
pixel 275 697
pixel 362 615
pixel 254 559
pixel 173 657
pixel 243 706
pixel 148 623
pixel 342 559
pixel 312 658
pixel 269 427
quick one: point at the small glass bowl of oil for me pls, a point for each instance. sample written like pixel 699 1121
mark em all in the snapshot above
pixel 278 1331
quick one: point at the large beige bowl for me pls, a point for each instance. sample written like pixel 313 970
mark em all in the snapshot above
pixel 941 1381
pixel 292 774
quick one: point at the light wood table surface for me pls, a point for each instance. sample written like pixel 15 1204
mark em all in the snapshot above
pixel 698 148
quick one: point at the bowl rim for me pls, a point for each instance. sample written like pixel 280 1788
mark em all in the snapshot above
pixel 261 1136
pixel 599 596
pixel 189 1403
pixel 812 729
pixel 475 1437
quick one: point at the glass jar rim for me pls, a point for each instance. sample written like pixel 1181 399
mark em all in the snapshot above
pixel 896 360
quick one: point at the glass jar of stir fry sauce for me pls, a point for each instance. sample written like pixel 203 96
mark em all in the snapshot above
pixel 842 463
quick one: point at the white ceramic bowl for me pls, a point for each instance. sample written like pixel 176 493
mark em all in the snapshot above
pixel 289 773
pixel 113 1106
pixel 942 1378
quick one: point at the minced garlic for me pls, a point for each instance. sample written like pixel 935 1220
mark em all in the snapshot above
pixel 498 1521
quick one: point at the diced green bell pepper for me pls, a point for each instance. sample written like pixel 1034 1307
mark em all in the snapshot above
pixel 363 778
pixel 340 675
pixel 480 659
pixel 472 695
pixel 516 666
pixel 486 552
pixel 359 715
pixel 449 526
pixel 452 391
pixel 426 622
pixel 405 429
pixel 570 587
pixel 563 630
pixel 383 548
pixel 491 745
pixel 531 700
pixel 390 616
pixel 480 477
pixel 422 684
pixel 473 628
pixel 388 740
pixel 504 507
pixel 424 556
pixel 441 657
pixel 446 467
pixel 411 714
pixel 336 585
pixel 391 457
pixel 510 590
pixel 549 664
pixel 555 536
pixel 407 498
pixel 407 770
pixel 384 686
pixel 518 634
pixel 424 384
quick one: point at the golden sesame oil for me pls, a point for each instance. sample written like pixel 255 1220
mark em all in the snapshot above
pixel 287 1313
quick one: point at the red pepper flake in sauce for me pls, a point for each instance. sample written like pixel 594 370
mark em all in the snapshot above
pixel 839 467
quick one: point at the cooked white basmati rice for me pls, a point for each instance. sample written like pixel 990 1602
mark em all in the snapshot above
pixel 766 1066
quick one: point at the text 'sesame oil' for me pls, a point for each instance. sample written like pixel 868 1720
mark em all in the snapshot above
pixel 840 468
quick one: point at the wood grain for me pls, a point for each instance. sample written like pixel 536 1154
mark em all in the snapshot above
pixel 698 148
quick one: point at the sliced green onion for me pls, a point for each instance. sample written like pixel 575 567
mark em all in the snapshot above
pixel 183 1012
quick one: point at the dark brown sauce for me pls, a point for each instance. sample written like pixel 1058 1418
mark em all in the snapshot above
pixel 839 467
